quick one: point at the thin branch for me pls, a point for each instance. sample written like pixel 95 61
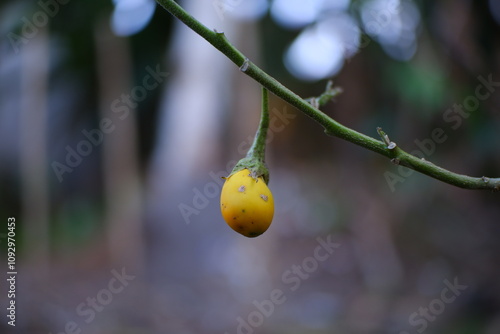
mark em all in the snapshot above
pixel 329 94
pixel 332 128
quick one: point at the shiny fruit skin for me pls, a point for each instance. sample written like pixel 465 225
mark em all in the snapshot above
pixel 247 204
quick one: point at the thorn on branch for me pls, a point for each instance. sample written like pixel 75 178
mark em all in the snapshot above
pixel 314 102
pixel 246 64
pixel 385 138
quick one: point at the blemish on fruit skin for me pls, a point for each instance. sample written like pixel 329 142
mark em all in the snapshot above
pixel 242 189
pixel 264 197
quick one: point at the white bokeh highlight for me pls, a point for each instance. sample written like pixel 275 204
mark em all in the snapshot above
pixel 320 50
pixel 394 24
pixel 242 10
pixel 131 16
pixel 295 13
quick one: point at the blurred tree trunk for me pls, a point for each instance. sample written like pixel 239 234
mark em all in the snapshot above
pixel 33 152
pixel 192 108
pixel 122 185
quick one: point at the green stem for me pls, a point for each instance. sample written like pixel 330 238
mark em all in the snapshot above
pixel 217 39
pixel 397 155
pixel 256 156
pixel 258 148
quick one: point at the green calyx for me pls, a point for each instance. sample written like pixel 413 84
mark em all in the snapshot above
pixel 255 159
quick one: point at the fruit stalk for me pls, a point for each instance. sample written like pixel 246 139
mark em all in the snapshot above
pixel 258 149
pixel 255 158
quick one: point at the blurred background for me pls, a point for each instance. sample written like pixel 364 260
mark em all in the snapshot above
pixel 117 122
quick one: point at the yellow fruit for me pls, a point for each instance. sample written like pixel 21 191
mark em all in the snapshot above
pixel 247 204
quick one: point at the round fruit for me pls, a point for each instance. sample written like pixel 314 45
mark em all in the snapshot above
pixel 247 204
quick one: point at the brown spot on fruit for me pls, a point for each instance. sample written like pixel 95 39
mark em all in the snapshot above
pixel 264 197
pixel 242 189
